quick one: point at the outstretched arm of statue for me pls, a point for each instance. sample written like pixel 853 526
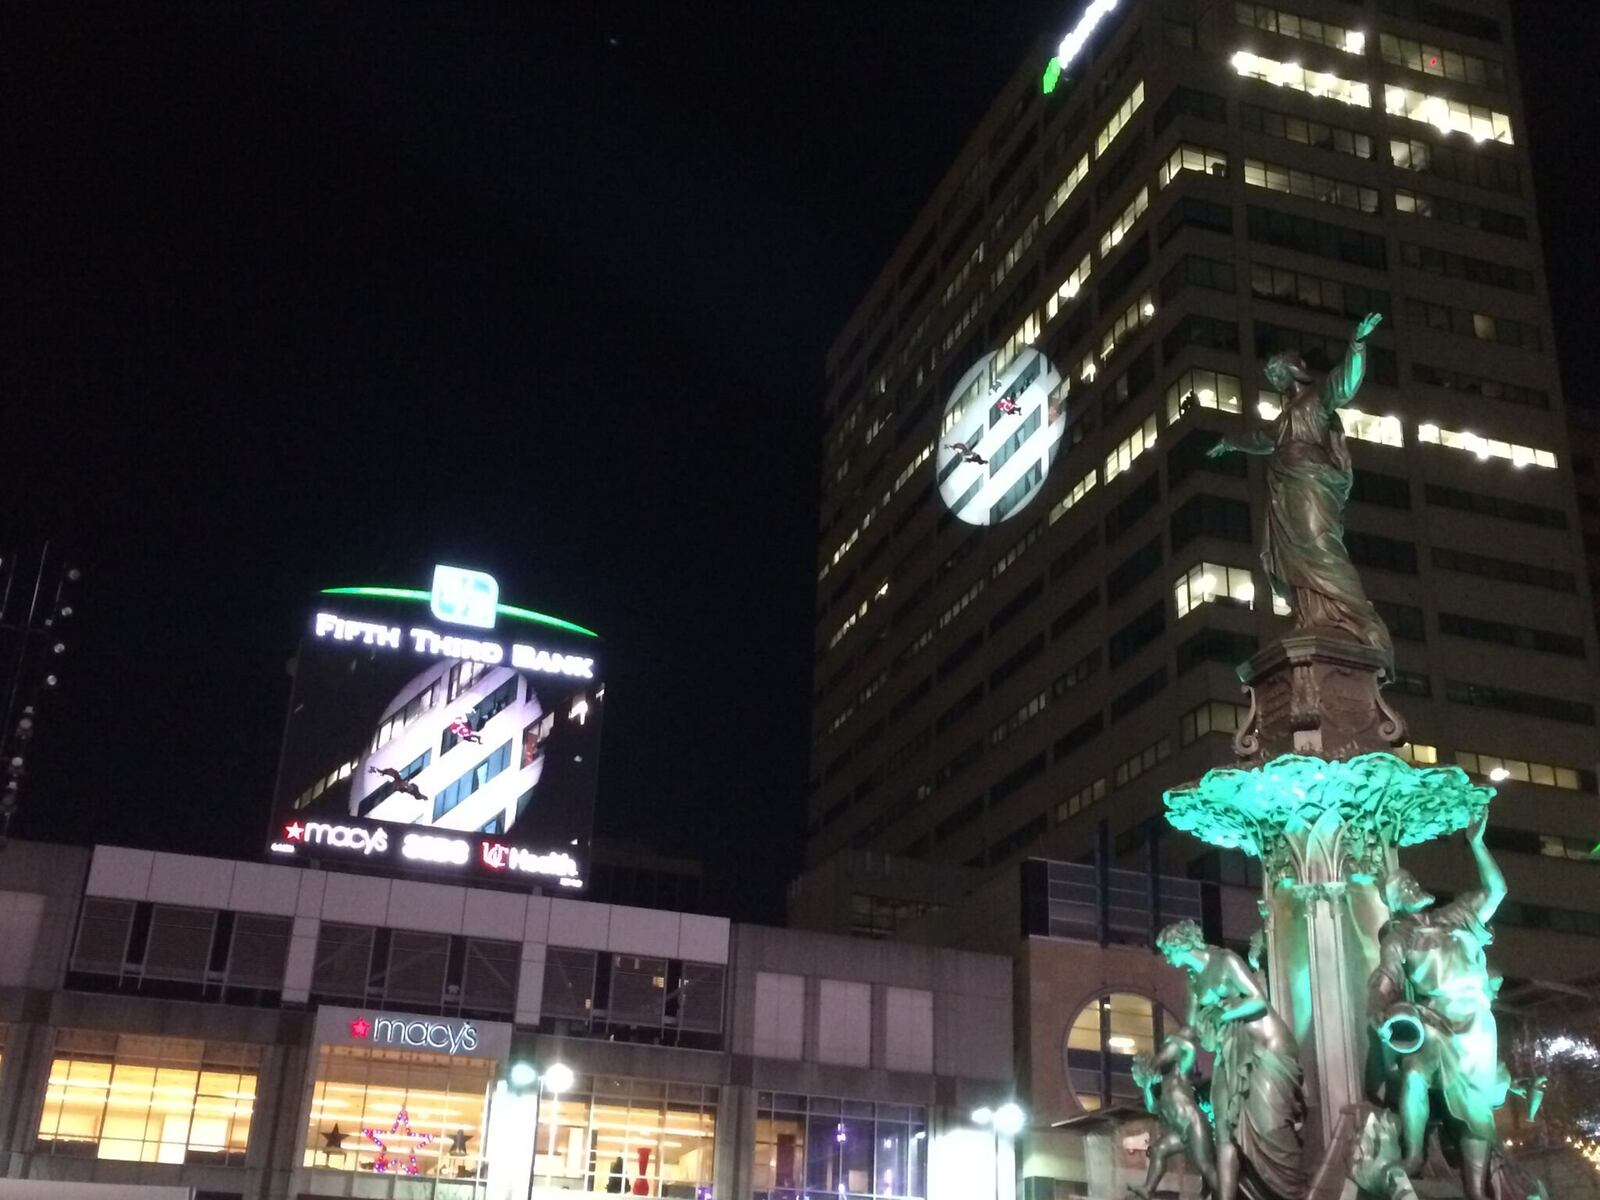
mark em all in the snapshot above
pixel 1494 883
pixel 1345 379
pixel 1251 443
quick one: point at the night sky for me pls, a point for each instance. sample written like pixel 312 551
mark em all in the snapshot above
pixel 297 296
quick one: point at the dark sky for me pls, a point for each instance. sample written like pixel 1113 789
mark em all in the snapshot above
pixel 293 296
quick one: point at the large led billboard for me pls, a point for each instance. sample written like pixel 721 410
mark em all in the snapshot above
pixel 441 731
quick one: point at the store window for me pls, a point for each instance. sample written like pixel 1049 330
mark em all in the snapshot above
pixel 610 1135
pixel 811 1146
pixel 391 1111
pixel 1104 1037
pixel 146 1099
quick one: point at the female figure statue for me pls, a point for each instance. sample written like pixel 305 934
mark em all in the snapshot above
pixel 1257 1087
pixel 1308 480
pixel 1169 1094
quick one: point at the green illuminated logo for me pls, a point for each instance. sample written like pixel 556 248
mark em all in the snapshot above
pixel 1052 75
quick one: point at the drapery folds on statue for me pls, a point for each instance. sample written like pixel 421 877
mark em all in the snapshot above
pixel 1309 478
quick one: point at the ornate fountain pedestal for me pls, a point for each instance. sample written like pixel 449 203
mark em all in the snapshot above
pixel 1322 800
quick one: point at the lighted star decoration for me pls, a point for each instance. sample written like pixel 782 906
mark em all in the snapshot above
pixel 294 831
pixel 458 1143
pixel 334 1139
pixel 402 1121
pixel 360 1027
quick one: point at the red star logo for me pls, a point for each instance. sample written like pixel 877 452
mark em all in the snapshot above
pixel 294 831
pixel 359 1027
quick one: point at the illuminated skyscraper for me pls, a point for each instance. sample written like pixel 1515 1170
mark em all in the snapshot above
pixel 1201 186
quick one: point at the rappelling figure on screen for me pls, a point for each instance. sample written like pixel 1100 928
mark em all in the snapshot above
pixel 1431 1001
pixel 967 453
pixel 1008 405
pixel 463 730
pixel 401 783
pixel 1308 480
pixel 1167 1081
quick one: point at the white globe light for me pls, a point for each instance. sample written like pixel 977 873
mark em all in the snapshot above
pixel 522 1074
pixel 983 1115
pixel 1009 1120
pixel 558 1077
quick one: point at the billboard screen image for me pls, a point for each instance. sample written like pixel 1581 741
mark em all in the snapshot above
pixel 445 738
pixel 1000 434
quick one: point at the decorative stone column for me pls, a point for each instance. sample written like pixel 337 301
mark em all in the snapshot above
pixel 1322 801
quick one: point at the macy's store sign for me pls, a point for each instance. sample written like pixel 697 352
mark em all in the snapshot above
pixel 449 1036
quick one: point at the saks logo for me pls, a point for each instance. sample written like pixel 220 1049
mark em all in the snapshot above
pixel 341 837
pixel 448 1036
pixel 498 856
pixel 426 847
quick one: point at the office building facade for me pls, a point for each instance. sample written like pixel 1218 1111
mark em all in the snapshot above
pixel 1091 291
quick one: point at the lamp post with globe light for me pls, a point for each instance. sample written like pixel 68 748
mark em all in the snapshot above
pixel 528 1080
pixel 1005 1122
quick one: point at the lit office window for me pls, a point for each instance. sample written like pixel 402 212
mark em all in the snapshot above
pixel 1366 427
pixel 1310 186
pixel 1125 221
pixel 910 468
pixel 1466 322
pixel 1498 768
pixel 1064 190
pixel 1446 64
pixel 1102 1041
pixel 1418 754
pixel 1200 388
pixel 148 1099
pixel 1026 334
pixel 1447 115
pixel 1305 29
pixel 1209 583
pixel 1553 845
pixel 1079 490
pixel 1067 291
pixel 1188 157
pixel 1485 448
pixel 1292 128
pixel 1032 708
pixel 1090 793
pixel 959 279
pixel 1135 317
pixel 1214 716
pixel 816 1146
pixel 1322 84
pixel 1014 255
pixel 1119 119
pixel 1136 765
pixel 1124 453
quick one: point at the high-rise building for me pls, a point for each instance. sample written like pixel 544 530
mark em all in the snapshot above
pixel 1021 642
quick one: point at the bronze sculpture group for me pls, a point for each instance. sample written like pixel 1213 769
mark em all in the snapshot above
pixel 1430 1028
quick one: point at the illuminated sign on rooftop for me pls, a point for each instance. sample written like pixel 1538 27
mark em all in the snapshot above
pixel 1072 45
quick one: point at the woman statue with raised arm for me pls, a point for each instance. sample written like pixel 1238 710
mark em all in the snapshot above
pixel 1257 1086
pixel 1308 480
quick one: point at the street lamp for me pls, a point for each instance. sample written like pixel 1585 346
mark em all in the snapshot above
pixel 1006 1121
pixel 558 1077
